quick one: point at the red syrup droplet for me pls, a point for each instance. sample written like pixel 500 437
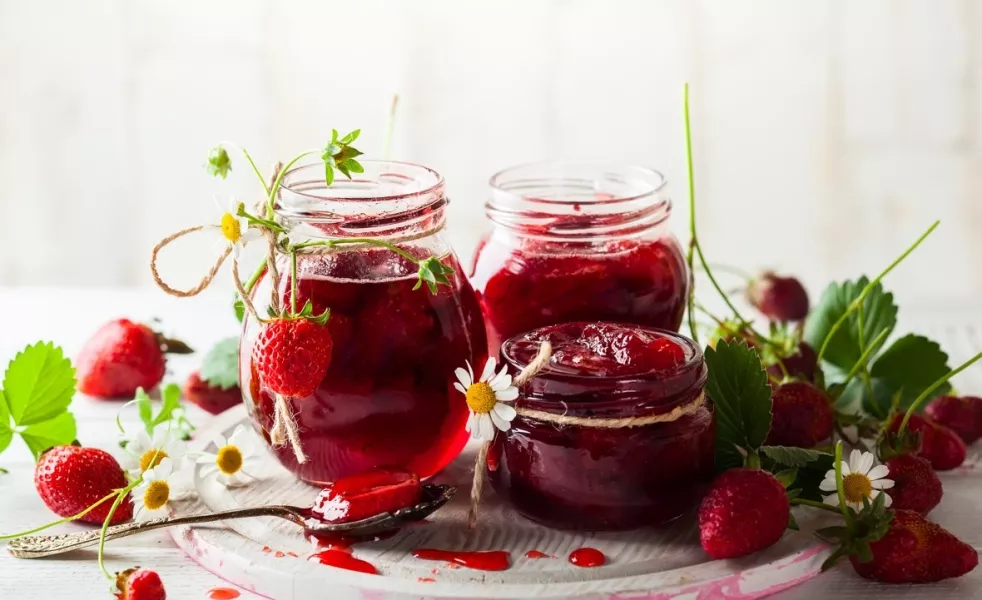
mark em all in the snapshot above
pixel 537 554
pixel 221 593
pixel 587 557
pixel 494 560
pixel 342 559
pixel 426 580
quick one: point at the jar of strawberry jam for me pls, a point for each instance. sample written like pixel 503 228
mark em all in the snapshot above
pixel 578 242
pixel 614 433
pixel 387 399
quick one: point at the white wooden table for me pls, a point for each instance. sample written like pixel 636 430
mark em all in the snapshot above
pixel 69 317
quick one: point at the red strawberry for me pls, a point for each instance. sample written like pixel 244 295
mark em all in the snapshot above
pixel 292 356
pixel 802 364
pixel 140 584
pixel 916 486
pixel 803 416
pixel 121 357
pixel 915 550
pixel 69 479
pixel 211 398
pixel 778 298
pixel 365 495
pixel 939 445
pixel 746 510
pixel 963 415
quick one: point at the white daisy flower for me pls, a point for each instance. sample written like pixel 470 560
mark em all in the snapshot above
pixel 152 496
pixel 234 229
pixel 145 452
pixel 860 479
pixel 486 399
pixel 232 459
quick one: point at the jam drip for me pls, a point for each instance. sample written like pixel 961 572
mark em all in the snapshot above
pixel 537 554
pixel 342 558
pixel 223 593
pixel 494 560
pixel 587 557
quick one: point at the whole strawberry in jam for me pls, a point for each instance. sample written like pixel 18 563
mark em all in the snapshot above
pixel 915 550
pixel 939 445
pixel 121 357
pixel 292 355
pixel 802 416
pixel 917 486
pixel 778 298
pixel 139 584
pixel 962 414
pixel 69 479
pixel 367 494
pixel 745 510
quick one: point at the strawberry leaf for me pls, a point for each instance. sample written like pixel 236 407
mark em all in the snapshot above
pixel 219 163
pixel 737 385
pixel 144 409
pixel 170 401
pixel 792 457
pixel 58 431
pixel 39 384
pixel 6 434
pixel 909 366
pixel 220 367
pixel 843 350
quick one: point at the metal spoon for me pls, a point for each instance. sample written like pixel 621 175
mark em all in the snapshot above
pixel 434 497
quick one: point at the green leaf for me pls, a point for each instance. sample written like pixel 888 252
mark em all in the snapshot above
pixel 59 431
pixel 144 409
pixel 344 170
pixel 910 365
pixel 39 384
pixel 787 477
pixel 334 135
pixel 354 166
pixel 170 401
pixel 879 314
pixel 331 150
pixel 351 137
pixel 220 367
pixel 239 307
pixel 328 174
pixel 737 385
pixel 6 434
pixel 790 456
pixel 219 163
pixel 792 523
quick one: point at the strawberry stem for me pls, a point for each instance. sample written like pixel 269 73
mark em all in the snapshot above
pixel 814 504
pixel 252 163
pixel 105 525
pixel 869 288
pixel 61 521
pixel 930 390
pixel 839 488
pixel 863 360
pixel 689 257
pixel 275 188
pixel 293 281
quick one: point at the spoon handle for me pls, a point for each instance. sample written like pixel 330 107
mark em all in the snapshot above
pixel 39 546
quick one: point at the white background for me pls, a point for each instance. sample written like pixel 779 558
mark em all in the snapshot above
pixel 828 133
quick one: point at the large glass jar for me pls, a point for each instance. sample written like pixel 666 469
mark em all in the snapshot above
pixel 614 433
pixel 387 399
pixel 578 242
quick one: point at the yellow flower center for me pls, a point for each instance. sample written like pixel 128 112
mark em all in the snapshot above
pixel 856 487
pixel 480 397
pixel 157 495
pixel 151 458
pixel 229 460
pixel 231 228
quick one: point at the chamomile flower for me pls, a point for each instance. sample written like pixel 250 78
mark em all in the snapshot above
pixel 234 230
pixel 486 399
pixel 232 459
pixel 145 452
pixel 860 479
pixel 152 496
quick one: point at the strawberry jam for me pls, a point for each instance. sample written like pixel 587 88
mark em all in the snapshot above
pixel 622 436
pixel 578 243
pixel 387 399
pixel 367 494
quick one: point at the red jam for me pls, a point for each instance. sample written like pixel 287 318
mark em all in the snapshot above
pixel 223 593
pixel 575 476
pixel 367 494
pixel 387 399
pixel 587 557
pixel 493 560
pixel 564 250
pixel 532 554
pixel 344 560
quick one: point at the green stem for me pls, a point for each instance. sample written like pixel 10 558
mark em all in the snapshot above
pixel 293 281
pixel 390 128
pixel 254 279
pixel 736 271
pixel 934 386
pixel 839 488
pixel 693 240
pixel 753 460
pixel 869 288
pixel 864 358
pixel 252 163
pixel 273 189
pixel 60 521
pixel 814 504
pixel 373 242
pixel 105 525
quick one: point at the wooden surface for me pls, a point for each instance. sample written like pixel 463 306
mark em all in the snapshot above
pixel 69 317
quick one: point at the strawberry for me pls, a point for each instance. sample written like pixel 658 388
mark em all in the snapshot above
pixel 963 415
pixel 939 445
pixel 745 510
pixel 368 494
pixel 803 416
pixel 213 399
pixel 778 298
pixel 139 584
pixel 292 355
pixel 916 486
pixel 802 364
pixel 69 479
pixel 121 357
pixel 915 550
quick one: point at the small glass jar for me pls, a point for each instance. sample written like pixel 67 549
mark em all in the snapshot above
pixel 387 399
pixel 578 242
pixel 615 433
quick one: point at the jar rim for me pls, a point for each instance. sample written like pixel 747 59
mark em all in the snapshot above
pixel 430 181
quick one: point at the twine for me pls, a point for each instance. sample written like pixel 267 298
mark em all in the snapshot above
pixel 205 281
pixel 285 422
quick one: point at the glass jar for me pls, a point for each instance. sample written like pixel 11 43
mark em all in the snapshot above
pixel 578 242
pixel 387 399
pixel 615 432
